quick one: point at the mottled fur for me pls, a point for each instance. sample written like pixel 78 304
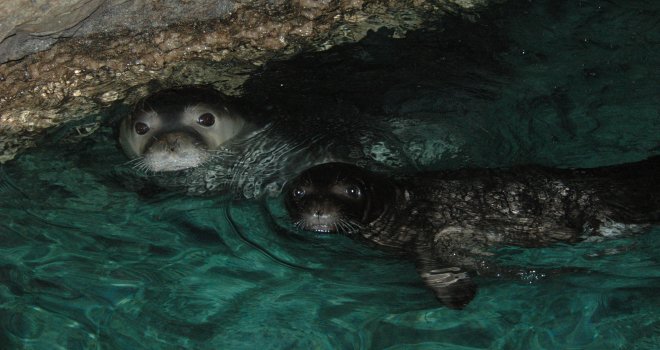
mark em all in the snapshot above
pixel 450 220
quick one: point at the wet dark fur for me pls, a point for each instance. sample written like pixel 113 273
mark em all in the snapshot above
pixel 449 220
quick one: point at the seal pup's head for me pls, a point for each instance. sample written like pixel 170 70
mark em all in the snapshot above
pixel 174 129
pixel 338 197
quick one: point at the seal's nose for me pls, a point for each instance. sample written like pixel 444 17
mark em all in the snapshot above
pixel 173 144
pixel 321 213
pixel 170 142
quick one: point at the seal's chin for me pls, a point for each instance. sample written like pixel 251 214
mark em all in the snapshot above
pixel 160 162
pixel 167 155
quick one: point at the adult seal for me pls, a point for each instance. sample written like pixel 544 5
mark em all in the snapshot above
pixel 178 128
pixel 194 140
pixel 449 221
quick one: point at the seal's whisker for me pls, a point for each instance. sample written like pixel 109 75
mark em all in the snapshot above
pixel 137 159
pixel 138 163
pixel 141 167
pixel 346 224
pixel 133 162
pixel 345 227
pixel 340 227
pixel 300 224
pixel 351 226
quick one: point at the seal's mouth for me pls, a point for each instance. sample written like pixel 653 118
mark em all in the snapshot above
pixel 321 228
pixel 328 224
pixel 317 221
pixel 336 207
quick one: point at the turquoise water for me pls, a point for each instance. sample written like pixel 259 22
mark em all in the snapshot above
pixel 86 263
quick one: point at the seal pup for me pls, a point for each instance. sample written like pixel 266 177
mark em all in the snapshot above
pixel 176 128
pixel 449 220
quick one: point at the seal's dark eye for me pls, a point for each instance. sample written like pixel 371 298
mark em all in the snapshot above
pixel 298 193
pixel 353 191
pixel 206 119
pixel 141 128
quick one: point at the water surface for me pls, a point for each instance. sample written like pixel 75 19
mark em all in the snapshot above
pixel 86 263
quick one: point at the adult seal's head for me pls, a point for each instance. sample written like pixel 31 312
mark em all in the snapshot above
pixel 338 197
pixel 175 129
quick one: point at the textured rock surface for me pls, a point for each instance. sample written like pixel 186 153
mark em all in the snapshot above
pixel 105 54
pixel 39 23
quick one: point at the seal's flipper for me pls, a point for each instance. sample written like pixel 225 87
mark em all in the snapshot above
pixel 451 285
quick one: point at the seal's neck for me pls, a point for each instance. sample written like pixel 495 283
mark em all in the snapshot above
pixel 388 229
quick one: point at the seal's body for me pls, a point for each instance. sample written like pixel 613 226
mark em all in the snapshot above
pixel 450 220
pixel 175 129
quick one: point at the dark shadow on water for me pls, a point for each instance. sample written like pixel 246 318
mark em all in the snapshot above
pixel 453 59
